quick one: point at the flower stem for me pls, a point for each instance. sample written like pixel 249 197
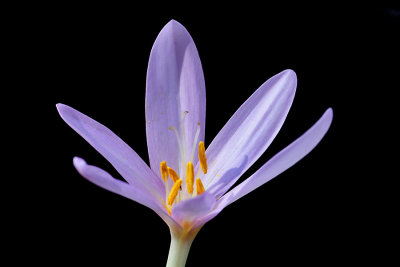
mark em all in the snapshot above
pixel 179 248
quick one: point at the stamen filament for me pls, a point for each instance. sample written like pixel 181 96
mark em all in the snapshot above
pixel 174 191
pixel 199 187
pixel 195 141
pixel 168 208
pixel 181 149
pixel 202 157
pixel 189 177
pixel 184 154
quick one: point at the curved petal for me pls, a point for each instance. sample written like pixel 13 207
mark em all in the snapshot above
pixel 190 209
pixel 132 168
pixel 281 161
pixel 218 207
pixel 104 180
pixel 249 132
pixel 175 84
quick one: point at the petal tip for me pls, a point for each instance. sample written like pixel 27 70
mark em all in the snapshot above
pixel 78 159
pixel 63 109
pixel 289 73
pixel 172 21
pixel 329 114
pixel 173 24
pixel 78 163
pixel 60 106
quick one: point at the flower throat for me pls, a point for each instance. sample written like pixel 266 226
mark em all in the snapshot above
pixel 177 193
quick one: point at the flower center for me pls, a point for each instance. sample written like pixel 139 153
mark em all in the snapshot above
pixel 177 193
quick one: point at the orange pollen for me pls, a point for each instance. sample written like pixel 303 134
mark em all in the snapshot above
pixel 173 174
pixel 164 171
pixel 189 177
pixel 174 191
pixel 199 187
pixel 202 157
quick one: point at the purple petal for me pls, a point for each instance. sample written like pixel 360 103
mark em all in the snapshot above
pixel 249 132
pixel 281 161
pixel 175 84
pixel 190 209
pixel 201 220
pixel 131 167
pixel 106 181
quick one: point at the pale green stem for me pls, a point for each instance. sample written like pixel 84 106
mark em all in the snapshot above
pixel 179 248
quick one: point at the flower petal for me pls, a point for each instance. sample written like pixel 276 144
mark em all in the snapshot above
pixel 249 132
pixel 132 168
pixel 190 209
pixel 175 84
pixel 281 161
pixel 275 166
pixel 106 181
pixel 218 207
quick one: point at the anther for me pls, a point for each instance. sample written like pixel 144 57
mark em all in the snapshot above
pixel 174 192
pixel 199 187
pixel 173 174
pixel 202 157
pixel 189 177
pixel 164 170
pixel 184 114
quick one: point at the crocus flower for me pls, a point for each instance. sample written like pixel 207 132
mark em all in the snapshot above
pixel 186 184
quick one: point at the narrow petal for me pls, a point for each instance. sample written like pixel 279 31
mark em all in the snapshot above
pixel 249 132
pixel 131 167
pixel 278 164
pixel 281 161
pixel 175 84
pixel 190 209
pixel 105 180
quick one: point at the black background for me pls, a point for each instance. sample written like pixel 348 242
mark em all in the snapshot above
pixel 335 206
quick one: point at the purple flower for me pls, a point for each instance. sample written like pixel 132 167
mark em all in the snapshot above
pixel 185 184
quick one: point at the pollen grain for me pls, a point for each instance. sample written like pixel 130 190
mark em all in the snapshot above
pixel 202 157
pixel 174 192
pixel 164 170
pixel 199 187
pixel 189 177
pixel 173 174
